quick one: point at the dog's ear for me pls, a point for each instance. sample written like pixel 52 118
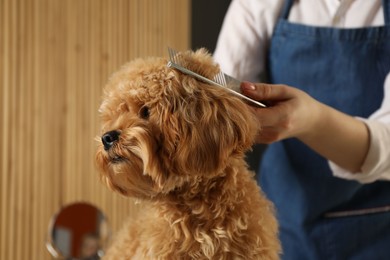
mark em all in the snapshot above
pixel 221 130
pixel 203 130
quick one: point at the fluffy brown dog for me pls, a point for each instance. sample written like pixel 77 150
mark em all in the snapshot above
pixel 178 145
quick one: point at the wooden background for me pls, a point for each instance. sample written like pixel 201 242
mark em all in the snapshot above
pixel 55 56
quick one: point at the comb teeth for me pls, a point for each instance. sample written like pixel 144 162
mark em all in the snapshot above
pixel 177 60
pixel 173 57
pixel 221 79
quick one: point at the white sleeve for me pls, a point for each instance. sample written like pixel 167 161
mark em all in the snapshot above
pixel 243 40
pixel 377 163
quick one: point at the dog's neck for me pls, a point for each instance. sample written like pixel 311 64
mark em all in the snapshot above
pixel 208 210
pixel 205 198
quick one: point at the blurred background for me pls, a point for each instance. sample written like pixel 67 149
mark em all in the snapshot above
pixel 55 57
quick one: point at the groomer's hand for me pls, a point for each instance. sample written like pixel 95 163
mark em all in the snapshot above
pixel 290 112
pixel 336 136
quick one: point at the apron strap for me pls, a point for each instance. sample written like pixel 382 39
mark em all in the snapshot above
pixel 286 9
pixel 386 11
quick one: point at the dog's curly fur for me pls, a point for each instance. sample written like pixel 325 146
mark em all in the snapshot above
pixel 181 152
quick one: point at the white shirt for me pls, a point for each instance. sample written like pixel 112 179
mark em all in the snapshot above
pixel 243 42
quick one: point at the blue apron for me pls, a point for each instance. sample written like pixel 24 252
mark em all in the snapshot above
pixel 321 216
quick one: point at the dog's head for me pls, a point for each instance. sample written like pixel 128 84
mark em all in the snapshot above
pixel 162 129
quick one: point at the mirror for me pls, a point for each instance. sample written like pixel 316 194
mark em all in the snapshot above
pixel 78 231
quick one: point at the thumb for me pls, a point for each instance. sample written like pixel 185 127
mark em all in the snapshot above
pixel 262 91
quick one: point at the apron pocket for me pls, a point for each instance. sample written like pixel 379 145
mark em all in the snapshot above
pixel 356 235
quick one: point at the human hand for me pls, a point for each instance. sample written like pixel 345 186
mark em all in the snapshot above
pixel 290 111
pixel 336 136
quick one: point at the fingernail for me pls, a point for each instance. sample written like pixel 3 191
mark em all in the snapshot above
pixel 247 85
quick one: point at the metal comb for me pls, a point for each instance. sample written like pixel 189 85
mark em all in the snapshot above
pixel 221 80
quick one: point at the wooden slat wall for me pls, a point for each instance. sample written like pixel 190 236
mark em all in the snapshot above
pixel 55 56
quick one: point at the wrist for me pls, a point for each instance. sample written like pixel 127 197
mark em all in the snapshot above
pixel 314 123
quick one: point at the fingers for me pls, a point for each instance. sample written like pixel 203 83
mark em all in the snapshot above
pixel 274 120
pixel 290 112
pixel 276 97
pixel 271 129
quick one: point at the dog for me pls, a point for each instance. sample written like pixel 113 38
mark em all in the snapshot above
pixel 178 145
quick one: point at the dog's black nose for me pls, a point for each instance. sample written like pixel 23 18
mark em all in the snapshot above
pixel 109 138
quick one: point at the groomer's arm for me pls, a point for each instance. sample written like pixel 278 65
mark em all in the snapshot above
pixel 293 113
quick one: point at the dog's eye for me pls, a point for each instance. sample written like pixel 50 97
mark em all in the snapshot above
pixel 144 112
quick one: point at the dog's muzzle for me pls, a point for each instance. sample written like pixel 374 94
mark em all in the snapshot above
pixel 109 139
